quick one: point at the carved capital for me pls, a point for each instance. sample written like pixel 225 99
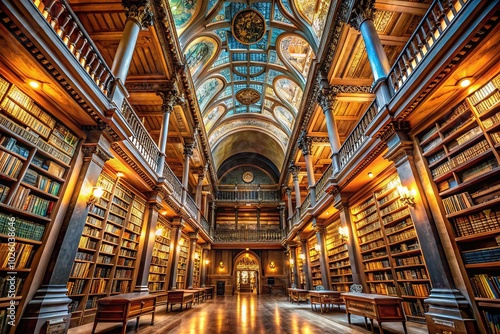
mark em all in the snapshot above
pixel 326 98
pixel 288 192
pixel 170 98
pixel 394 127
pixel 294 169
pixel 305 143
pixel 139 11
pixel 93 149
pixel 399 154
pixel 363 10
pixel 336 89
pixel 188 146
pixel 193 235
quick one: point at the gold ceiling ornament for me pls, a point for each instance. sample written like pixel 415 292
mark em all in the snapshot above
pixel 248 96
pixel 248 26
pixel 247 177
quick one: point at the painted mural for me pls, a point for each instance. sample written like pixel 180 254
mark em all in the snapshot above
pixel 297 52
pixel 289 91
pixel 212 117
pixel 314 12
pixel 248 26
pixel 208 89
pixel 199 53
pixel 284 116
pixel 183 12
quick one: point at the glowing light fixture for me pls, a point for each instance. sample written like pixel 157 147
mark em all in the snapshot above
pixel 344 233
pixel 159 231
pixel 34 84
pixel 221 265
pixel 406 195
pixel 370 175
pixel 464 82
pixel 97 193
pixel 272 265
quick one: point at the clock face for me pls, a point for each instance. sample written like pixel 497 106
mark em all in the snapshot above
pixel 247 177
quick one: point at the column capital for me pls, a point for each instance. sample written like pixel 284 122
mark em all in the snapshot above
pixel 288 192
pixel 305 143
pixel 294 169
pixel 189 146
pixel 362 10
pixel 178 222
pixel 139 11
pixel 193 235
pixel 326 98
pixel 170 98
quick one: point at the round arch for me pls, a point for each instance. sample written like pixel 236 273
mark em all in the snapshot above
pixel 252 261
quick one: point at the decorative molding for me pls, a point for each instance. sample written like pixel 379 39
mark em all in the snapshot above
pixel 351 89
pixel 362 10
pixel 326 98
pixel 188 146
pixel 139 11
pixel 294 169
pixel 319 140
pixel 145 86
pixel 91 149
pixel 136 167
pixel 393 127
pixel 170 98
pixel 305 143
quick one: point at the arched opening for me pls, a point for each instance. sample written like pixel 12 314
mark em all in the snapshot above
pixel 247 273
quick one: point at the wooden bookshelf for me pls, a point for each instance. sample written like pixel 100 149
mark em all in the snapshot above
pixel 300 267
pixel 182 264
pixel 36 155
pixel 314 262
pixel 197 266
pixel 105 263
pixel 338 258
pixel 392 259
pixel 159 261
pixel 467 178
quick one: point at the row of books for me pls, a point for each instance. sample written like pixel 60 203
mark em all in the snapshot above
pixel 489 122
pixel 383 288
pixel 98 285
pixel 458 202
pixel 102 272
pixel 121 286
pixel 478 222
pixel 489 103
pixel 407 261
pixel 6 286
pixel 41 182
pixel 460 158
pixel 493 321
pixel 402 225
pixel 76 287
pixel 412 289
pixel 377 265
pixel 20 258
pixel 30 136
pixel 29 104
pixel 9 164
pixel 486 286
pixel 482 93
pixel 408 234
pixel 22 228
pixel 415 309
pixel 490 254
pixel 412 274
pixel 24 117
pixel 384 276
pixel 11 144
pixel 80 269
pixel 4 191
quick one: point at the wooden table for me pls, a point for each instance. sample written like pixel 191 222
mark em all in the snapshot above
pixel 379 307
pixel 197 293
pixel 209 291
pixel 325 298
pixel 295 294
pixel 271 287
pixel 122 308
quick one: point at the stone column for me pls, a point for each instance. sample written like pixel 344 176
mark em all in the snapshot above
pixel 204 204
pixel 295 272
pixel 50 302
pixel 281 209
pixel 307 264
pixel 204 265
pixel 326 100
pixel 212 215
pixel 177 226
pixel 170 99
pixel 188 152
pixel 149 230
pixel 294 169
pixel 323 264
pixel 139 16
pixel 447 306
pixel 341 204
pixel 290 207
pixel 361 19
pixel 193 237
pixel 305 144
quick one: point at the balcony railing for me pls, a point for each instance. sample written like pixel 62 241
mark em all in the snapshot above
pixel 205 225
pixel 71 32
pixel 437 19
pixel 173 182
pixel 306 204
pixel 249 195
pixel 191 207
pixel 357 136
pixel 141 139
pixel 296 217
pixel 322 182
pixel 249 235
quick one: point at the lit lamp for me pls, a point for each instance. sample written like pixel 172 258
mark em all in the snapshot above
pixel 407 196
pixel 344 233
pixel 272 265
pixel 302 256
pixel 207 261
pixel 97 193
pixel 317 248
pixel 159 231
pixel 291 262
pixel 221 265
pixel 196 256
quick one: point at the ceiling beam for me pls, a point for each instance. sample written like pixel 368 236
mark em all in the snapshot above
pixel 398 6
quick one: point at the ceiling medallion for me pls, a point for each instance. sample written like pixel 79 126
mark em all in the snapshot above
pixel 247 96
pixel 247 177
pixel 249 26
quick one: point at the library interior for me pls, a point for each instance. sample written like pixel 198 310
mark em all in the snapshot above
pixel 249 166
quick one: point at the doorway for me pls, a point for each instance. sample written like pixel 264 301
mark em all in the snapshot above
pixel 247 273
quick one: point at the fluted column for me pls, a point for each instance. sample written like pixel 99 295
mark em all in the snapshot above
pixel 188 152
pixel 154 205
pixel 446 303
pixel 326 100
pixel 139 16
pixel 281 209
pixel 307 263
pixel 199 187
pixel 294 169
pixel 305 144
pixel 170 99
pixel 361 19
pixel 177 226
pixel 193 237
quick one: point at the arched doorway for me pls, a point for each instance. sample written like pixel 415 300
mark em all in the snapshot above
pixel 247 273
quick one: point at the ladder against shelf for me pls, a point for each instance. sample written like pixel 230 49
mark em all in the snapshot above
pixel 390 250
pixel 468 183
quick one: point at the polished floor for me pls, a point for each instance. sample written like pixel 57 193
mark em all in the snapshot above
pixel 248 314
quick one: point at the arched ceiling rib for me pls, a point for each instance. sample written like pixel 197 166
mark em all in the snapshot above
pixel 249 63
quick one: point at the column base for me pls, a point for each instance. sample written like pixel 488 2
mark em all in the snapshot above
pixel 47 312
pixel 449 312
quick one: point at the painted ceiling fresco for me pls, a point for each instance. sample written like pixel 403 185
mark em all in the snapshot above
pixel 249 61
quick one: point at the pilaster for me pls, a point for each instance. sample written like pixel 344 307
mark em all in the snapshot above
pixel 193 237
pixel 177 226
pixel 323 264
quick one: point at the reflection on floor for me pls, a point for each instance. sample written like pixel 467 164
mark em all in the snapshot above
pixel 248 314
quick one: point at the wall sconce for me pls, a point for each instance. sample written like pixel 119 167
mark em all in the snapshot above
pixel 207 261
pixel 302 256
pixel 272 265
pixel 344 233
pixel 407 196
pixel 159 231
pixel 291 262
pixel 221 265
pixel 196 256
pixel 317 248
pixel 97 193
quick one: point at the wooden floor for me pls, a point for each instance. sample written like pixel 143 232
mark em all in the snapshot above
pixel 249 313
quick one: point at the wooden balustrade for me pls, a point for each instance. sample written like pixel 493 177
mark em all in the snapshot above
pixel 65 24
pixel 191 207
pixel 437 19
pixel 249 235
pixel 173 182
pixel 322 182
pixel 253 195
